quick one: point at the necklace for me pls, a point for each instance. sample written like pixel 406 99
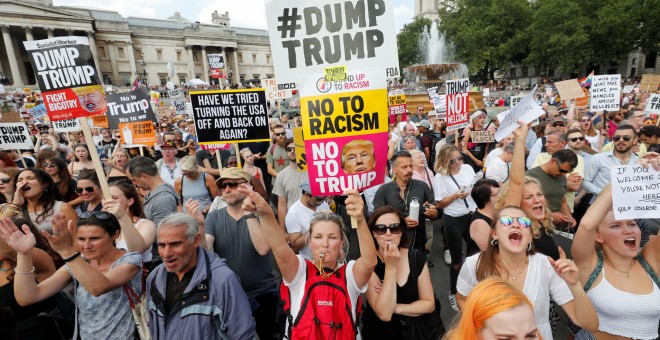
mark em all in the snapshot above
pixel 514 277
pixel 621 271
pixel 322 272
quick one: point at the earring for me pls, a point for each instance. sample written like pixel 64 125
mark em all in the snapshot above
pixel 493 242
pixel 529 247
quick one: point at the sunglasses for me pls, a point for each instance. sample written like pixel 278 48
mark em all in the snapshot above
pixel 5 180
pixel 231 185
pixel 558 124
pixel 564 171
pixel 394 228
pixel 585 120
pixel 581 139
pixel 289 149
pixel 625 138
pixel 456 160
pixel 280 134
pixel 524 222
pixel 49 165
pixel 88 189
pixel 101 215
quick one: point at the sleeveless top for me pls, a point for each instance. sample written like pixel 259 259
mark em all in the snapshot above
pixel 373 327
pixel 147 256
pixel 44 223
pixel 472 247
pixel 197 190
pixel 621 313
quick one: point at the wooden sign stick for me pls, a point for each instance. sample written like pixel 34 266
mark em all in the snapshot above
pixel 94 154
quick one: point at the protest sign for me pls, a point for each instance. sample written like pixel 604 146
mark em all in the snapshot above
pixel 275 91
pixel 217 65
pixel 299 141
pixel 154 97
pixel 128 107
pixel 175 94
pixel 605 92
pixel 440 105
pixel 486 92
pixel 635 192
pixel 230 116
pixel 335 73
pixel 67 125
pixel 179 106
pixel 308 37
pixel 15 136
pixel 653 104
pixel 67 77
pixel 650 82
pixel 397 105
pixel 458 103
pixel 526 110
pixel 481 137
pixel 628 89
pixel 569 89
pixel 189 109
pixel 99 121
pixel 141 133
pixel 515 100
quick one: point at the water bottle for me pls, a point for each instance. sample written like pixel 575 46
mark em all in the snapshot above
pixel 414 209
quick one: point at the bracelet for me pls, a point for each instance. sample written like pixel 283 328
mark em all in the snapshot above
pixel 73 257
pixel 30 272
pixel 251 215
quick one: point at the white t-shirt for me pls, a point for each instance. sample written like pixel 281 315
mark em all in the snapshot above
pixel 498 170
pixel 168 177
pixel 444 187
pixel 541 282
pixel 297 288
pixel 495 153
pixel 593 140
pixel 297 221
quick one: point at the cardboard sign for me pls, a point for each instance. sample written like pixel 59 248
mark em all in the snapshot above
pixel 126 107
pixel 301 157
pixel 526 110
pixel 653 104
pixel 276 91
pixel 179 106
pixel 67 125
pixel 100 121
pixel 67 77
pixel 569 89
pixel 11 117
pixel 458 103
pixel 481 137
pixel 142 133
pixel 605 92
pixel 584 101
pixel 635 192
pixel 230 116
pixel 515 100
pixel 650 82
pixel 217 65
pixel 15 136
pixel 628 89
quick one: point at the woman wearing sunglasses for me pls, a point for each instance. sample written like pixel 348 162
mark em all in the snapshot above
pixel 100 276
pixel 81 160
pixel 7 188
pixel 56 168
pixel 89 189
pixel 400 287
pixel 620 276
pixel 511 256
pixel 37 196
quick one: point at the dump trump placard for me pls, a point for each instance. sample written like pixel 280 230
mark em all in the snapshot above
pixel 15 136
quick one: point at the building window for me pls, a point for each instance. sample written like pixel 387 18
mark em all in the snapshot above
pixel 182 78
pixel 102 52
pixel 138 52
pixel 268 59
pixel 198 76
pixel 120 53
pixel 525 71
pixel 178 55
pixel 241 78
pixel 240 58
pixel 125 79
pixel 159 55
pixel 163 78
pixel 255 76
pixel 650 60
pixel 269 76
pixel 254 58
pixel 107 79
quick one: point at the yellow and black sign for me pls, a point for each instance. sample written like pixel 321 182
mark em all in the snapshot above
pixel 335 73
pixel 301 157
pixel 398 99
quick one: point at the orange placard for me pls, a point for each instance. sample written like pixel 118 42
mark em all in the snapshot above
pixel 141 133
pixel 100 121
pixel 584 101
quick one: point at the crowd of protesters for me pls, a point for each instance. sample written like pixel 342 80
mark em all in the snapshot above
pixel 195 234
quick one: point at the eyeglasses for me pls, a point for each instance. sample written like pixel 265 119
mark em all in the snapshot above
pixel 280 134
pixel 289 149
pixel 5 180
pixel 524 222
pixel 625 138
pixel 231 185
pixel 394 228
pixel 456 160
pixel 581 139
pixel 101 215
pixel 558 124
pixel 49 165
pixel 88 189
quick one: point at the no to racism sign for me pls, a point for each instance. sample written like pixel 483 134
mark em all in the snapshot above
pixel 458 103
pixel 67 77
pixel 230 116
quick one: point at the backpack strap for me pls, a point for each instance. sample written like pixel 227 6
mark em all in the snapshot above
pixel 648 269
pixel 595 272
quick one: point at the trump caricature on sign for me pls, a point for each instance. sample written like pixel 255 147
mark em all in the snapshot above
pixel 92 98
pixel 358 156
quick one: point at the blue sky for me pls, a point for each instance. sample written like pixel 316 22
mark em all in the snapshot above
pixel 243 13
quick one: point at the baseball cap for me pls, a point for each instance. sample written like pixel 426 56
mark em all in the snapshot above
pixel 306 187
pixel 423 123
pixel 558 120
pixel 233 173
pixel 168 144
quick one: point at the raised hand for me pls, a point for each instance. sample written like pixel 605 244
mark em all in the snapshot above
pixel 192 207
pixel 354 204
pixel 254 202
pixel 113 207
pixel 565 268
pixel 21 242
pixel 61 240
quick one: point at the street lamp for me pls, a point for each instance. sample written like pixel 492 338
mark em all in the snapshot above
pixel 144 69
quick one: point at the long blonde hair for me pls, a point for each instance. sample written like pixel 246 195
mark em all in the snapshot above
pixel 547 217
pixel 444 157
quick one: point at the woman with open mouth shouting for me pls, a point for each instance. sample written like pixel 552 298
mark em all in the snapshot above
pixel 621 278
pixel 511 256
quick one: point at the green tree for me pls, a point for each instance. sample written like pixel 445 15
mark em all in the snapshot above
pixel 408 41
pixel 488 35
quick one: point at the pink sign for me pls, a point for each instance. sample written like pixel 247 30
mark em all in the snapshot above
pixel 340 163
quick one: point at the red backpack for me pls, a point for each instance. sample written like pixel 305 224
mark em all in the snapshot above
pixel 326 309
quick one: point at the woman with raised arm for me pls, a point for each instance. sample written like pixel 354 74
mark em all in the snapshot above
pixel 328 246
pixel 621 279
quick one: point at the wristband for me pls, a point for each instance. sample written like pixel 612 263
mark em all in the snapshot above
pixel 250 215
pixel 73 257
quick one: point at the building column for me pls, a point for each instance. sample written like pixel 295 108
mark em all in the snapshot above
pixel 28 33
pixel 11 55
pixel 131 57
pixel 95 52
pixel 236 78
pixel 205 62
pixel 51 32
pixel 191 63
pixel 113 61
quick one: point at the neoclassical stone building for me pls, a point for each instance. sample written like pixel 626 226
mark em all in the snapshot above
pixel 124 47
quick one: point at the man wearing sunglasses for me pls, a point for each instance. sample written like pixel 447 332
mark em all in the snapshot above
pixel 277 158
pixel 552 176
pixel 299 216
pixel 597 173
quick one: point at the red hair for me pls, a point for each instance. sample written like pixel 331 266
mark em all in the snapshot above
pixel 7 159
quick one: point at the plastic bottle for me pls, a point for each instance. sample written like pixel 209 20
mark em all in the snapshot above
pixel 414 209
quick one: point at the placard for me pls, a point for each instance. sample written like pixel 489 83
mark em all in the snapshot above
pixel 653 104
pixel 67 125
pixel 515 100
pixel 569 89
pixel 635 192
pixel 15 136
pixel 478 137
pixel 275 91
pixel 605 92
pixel 650 82
pixel 486 92
pixel 99 121
pixel 175 94
pixel 141 133
pixel 126 107
pixel 67 76
pixel 179 106
pixel 299 141
pixel 628 89
pixel 217 65
pixel 230 116
pixel 526 110
pixel 458 103
pixel 11 117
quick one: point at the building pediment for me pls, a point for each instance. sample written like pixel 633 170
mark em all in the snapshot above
pixel 26 9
